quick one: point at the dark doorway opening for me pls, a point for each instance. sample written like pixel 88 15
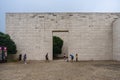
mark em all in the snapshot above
pixel 64 36
pixel 57 47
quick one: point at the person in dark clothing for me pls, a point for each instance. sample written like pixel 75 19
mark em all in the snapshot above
pixel 0 54
pixel 3 55
pixel 20 57
pixel 46 57
pixel 24 58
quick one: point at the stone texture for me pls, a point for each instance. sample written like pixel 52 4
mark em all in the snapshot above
pixel 61 70
pixel 90 35
pixel 116 40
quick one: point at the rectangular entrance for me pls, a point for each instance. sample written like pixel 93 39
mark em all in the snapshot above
pixel 64 36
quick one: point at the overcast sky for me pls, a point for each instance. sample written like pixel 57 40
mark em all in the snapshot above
pixel 56 6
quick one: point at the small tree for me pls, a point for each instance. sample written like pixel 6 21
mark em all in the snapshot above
pixel 6 41
pixel 57 45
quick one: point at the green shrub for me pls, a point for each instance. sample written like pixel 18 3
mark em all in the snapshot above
pixel 57 45
pixel 6 41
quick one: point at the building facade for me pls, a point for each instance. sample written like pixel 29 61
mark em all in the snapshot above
pixel 93 36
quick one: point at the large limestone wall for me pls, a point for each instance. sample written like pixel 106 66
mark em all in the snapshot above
pixel 116 40
pixel 90 34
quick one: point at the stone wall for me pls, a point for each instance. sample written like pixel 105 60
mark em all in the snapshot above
pixel 90 34
pixel 116 40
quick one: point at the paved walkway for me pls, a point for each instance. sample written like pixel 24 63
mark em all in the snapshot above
pixel 61 70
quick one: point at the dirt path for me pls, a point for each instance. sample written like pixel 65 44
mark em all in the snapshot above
pixel 61 70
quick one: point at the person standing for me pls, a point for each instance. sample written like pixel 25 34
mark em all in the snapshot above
pixel 3 55
pixel 20 57
pixel 24 58
pixel 64 56
pixel 76 57
pixel 5 52
pixel 46 57
pixel 0 53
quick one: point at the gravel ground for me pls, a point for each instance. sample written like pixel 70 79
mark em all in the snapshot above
pixel 60 70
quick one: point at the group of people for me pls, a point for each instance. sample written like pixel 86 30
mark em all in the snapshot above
pixel 71 57
pixel 24 58
pixel 65 57
pixel 47 59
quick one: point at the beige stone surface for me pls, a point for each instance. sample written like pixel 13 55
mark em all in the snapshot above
pixel 116 40
pixel 90 34
pixel 61 70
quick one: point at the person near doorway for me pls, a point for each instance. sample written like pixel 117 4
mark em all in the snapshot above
pixel 46 57
pixel 64 56
pixel 72 57
pixel 76 57
pixel 20 57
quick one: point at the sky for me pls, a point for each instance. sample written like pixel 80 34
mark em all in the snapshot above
pixel 14 6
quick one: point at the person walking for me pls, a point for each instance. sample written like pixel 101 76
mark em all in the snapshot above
pixel 24 58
